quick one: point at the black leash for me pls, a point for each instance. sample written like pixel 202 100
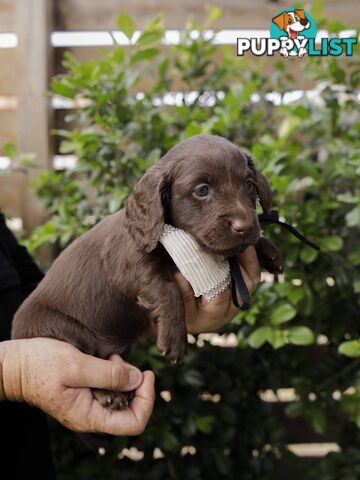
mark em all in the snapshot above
pixel 238 284
pixel 237 280
pixel 273 217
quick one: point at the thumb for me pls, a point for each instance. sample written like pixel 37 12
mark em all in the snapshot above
pixel 92 372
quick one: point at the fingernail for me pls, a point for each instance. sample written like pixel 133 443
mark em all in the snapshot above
pixel 134 376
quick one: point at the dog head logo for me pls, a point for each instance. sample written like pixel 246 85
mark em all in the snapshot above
pixel 292 22
pixel 294 25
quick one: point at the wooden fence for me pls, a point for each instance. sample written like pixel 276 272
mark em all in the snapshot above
pixel 26 115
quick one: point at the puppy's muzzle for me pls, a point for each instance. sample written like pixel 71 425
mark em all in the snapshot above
pixel 242 228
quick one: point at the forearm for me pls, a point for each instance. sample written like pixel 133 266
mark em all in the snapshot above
pixel 2 357
pixel 57 378
pixel 10 371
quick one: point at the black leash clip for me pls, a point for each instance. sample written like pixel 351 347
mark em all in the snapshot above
pixel 237 280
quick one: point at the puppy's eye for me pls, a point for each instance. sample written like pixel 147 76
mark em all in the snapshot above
pixel 290 20
pixel 201 190
pixel 249 185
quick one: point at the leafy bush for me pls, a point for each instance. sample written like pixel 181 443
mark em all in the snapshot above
pixel 308 147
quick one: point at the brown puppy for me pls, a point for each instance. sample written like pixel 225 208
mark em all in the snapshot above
pixel 103 291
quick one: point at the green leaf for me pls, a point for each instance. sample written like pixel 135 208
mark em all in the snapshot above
pixel 118 55
pixel 170 441
pixel 205 423
pixel 300 184
pixel 331 244
pixel 346 198
pixel 295 295
pixel 126 24
pixel 154 24
pixel 214 12
pixel 223 463
pixel 351 348
pixel 308 255
pixel 318 420
pixel 357 286
pixel 354 256
pixel 353 217
pixel 288 126
pixel 150 38
pixel 193 128
pixel 144 55
pixel 301 336
pixel 9 150
pixel 60 88
pixel 294 409
pixel 337 72
pixel 259 336
pixel 67 146
pixel 350 403
pixel 282 313
pixel 278 338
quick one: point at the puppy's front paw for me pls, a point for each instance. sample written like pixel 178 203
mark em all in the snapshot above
pixel 113 400
pixel 172 343
pixel 269 256
pixel 274 265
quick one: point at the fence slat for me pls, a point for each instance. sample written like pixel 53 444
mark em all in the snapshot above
pixel 85 15
pixel 11 201
pixel 7 127
pixel 34 24
pixel 7 17
pixel 7 71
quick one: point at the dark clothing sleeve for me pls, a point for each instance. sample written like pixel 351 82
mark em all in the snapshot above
pixel 25 450
pixel 17 268
pixel 19 276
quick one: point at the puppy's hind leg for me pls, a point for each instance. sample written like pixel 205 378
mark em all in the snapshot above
pixel 109 398
pixel 113 400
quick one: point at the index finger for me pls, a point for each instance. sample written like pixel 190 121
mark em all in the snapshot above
pixel 94 372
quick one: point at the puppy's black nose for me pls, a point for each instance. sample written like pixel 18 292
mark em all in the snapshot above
pixel 240 227
pixel 303 22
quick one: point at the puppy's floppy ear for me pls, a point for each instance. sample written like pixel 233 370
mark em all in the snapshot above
pixel 301 13
pixel 144 210
pixel 263 187
pixel 281 20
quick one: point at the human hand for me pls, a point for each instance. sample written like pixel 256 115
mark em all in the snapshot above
pixel 57 378
pixel 208 316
